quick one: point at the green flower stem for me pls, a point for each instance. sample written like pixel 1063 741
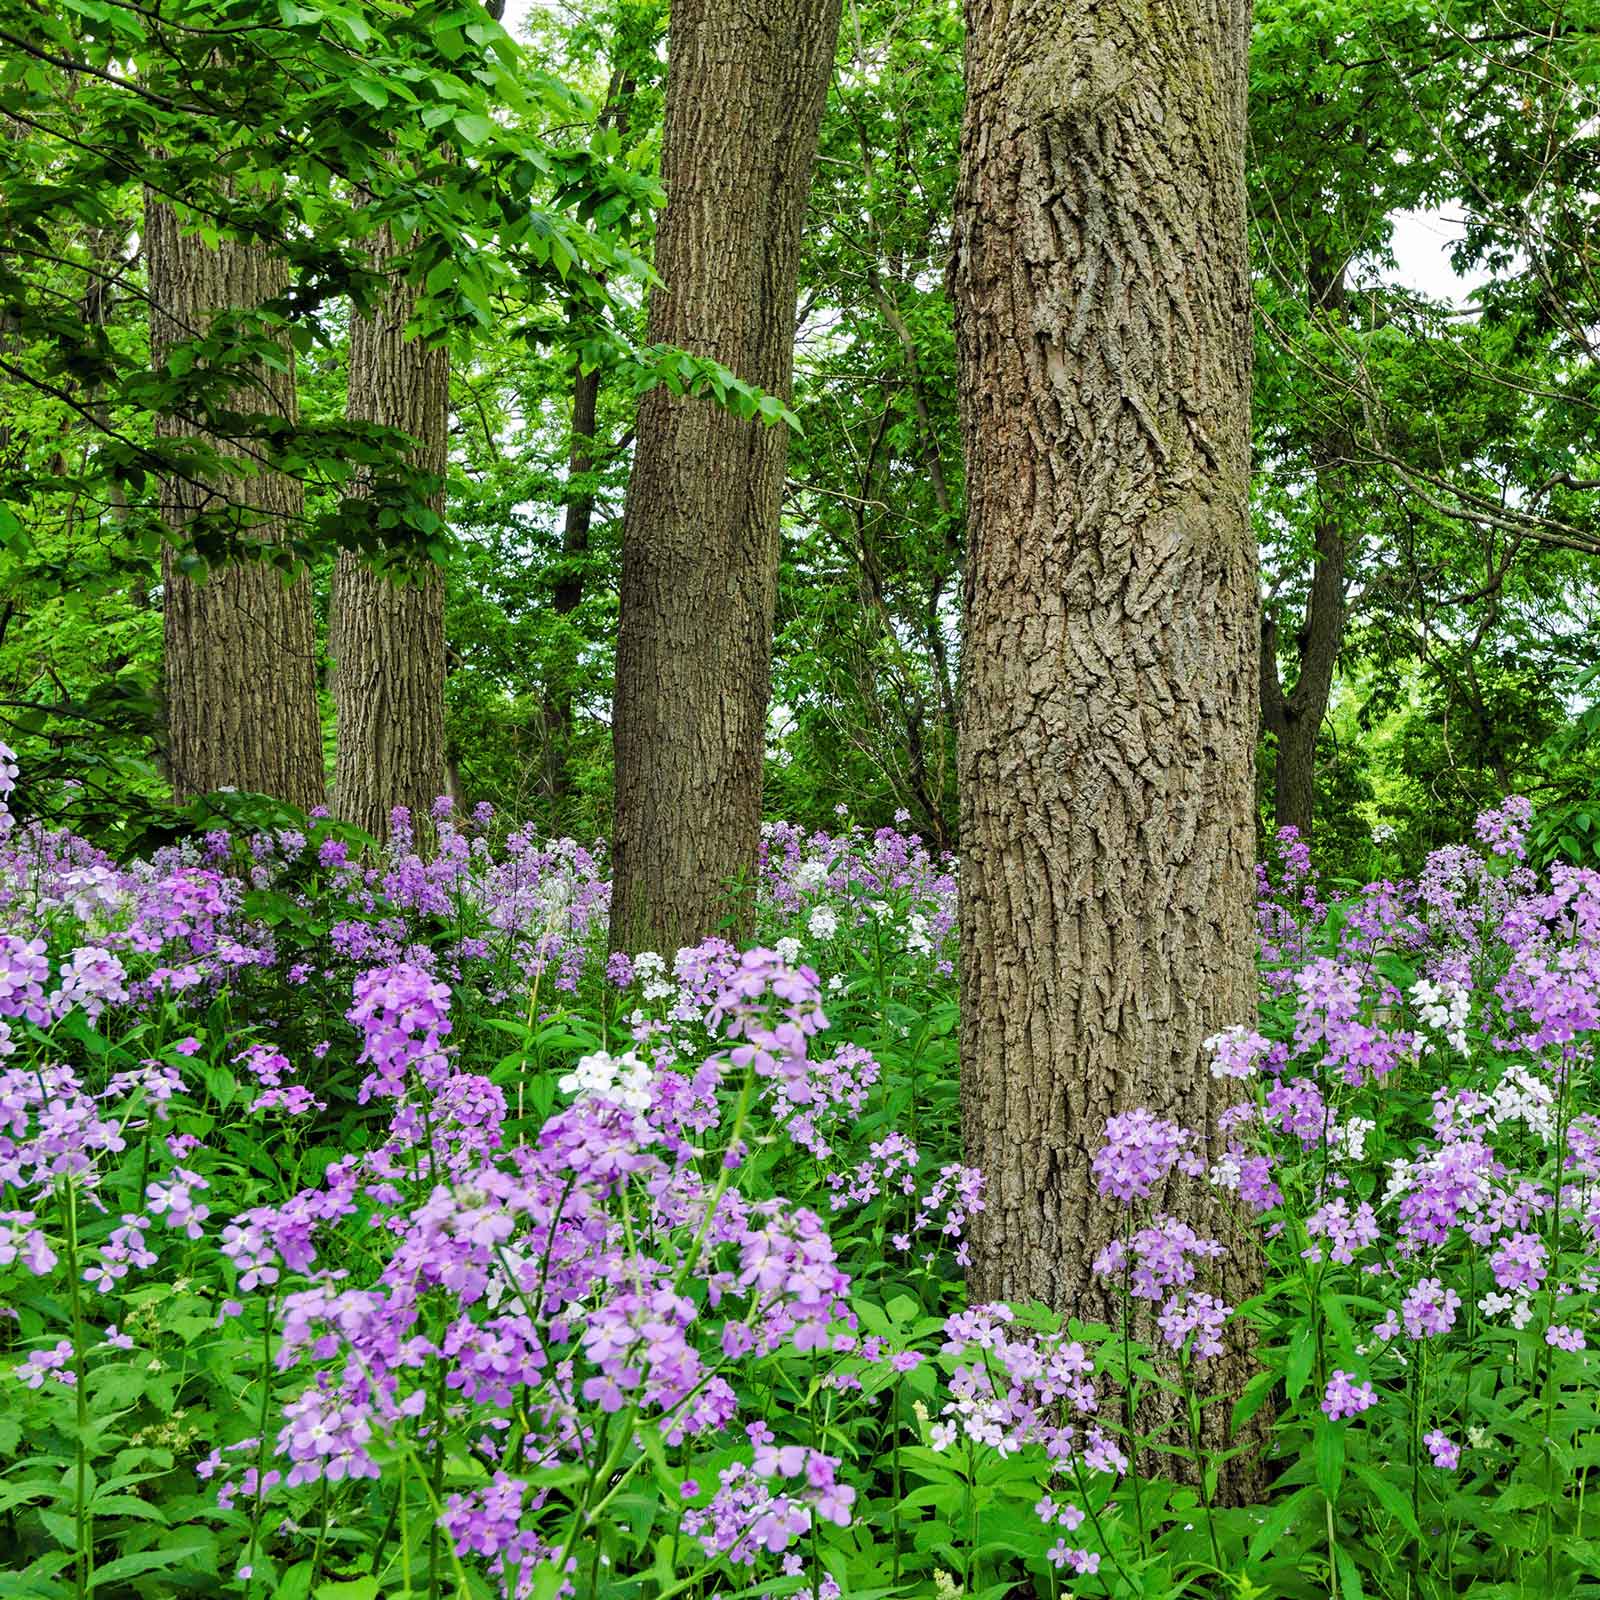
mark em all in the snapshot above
pixel 83 1522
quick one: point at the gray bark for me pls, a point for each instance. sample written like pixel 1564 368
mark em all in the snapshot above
pixel 240 647
pixel 745 90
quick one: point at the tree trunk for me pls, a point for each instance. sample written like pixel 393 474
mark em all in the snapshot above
pixel 1294 717
pixel 387 638
pixel 240 647
pixel 568 596
pixel 745 90
pixel 1108 709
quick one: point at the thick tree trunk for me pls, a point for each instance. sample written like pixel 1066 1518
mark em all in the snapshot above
pixel 240 647
pixel 387 638
pixel 745 89
pixel 1108 716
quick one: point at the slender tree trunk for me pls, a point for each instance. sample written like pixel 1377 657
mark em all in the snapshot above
pixel 1108 711
pixel 240 647
pixel 387 638
pixel 568 596
pixel 746 84
pixel 1294 716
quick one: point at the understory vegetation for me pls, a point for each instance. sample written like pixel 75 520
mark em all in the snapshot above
pixel 368 1231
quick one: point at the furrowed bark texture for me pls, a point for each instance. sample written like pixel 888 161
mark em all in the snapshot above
pixel 241 647
pixel 387 639
pixel 745 90
pixel 1108 713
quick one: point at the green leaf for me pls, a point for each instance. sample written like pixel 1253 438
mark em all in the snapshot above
pixel 1392 1498
pixel 1278 1522
pixel 1302 1357
pixel 126 1505
pixel 349 1589
pixel 144 1561
pixel 1330 1458
pixel 1349 1575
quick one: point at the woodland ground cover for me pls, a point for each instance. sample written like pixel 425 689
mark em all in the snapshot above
pixel 367 1231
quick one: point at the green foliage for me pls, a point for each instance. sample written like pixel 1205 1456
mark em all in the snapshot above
pixel 1448 447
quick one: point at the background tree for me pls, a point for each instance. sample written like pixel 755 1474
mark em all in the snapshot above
pixel 240 648
pixel 868 599
pixel 745 91
pixel 1108 711
pixel 386 637
pixel 1420 473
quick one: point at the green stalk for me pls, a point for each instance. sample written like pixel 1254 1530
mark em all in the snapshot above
pixel 436 1482
pixel 1127 1380
pixel 894 1514
pixel 83 1523
pixel 261 1445
pixel 1192 1410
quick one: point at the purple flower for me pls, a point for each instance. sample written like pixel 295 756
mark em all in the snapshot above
pixel 1429 1309
pixel 1344 1398
pixel 1519 1262
pixel 1140 1149
pixel 53 1363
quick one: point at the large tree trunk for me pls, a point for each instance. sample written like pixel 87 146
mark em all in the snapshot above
pixel 240 647
pixel 387 638
pixel 1108 716
pixel 746 84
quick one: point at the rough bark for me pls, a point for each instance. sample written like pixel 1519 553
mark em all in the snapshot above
pixel 1108 708
pixel 387 638
pixel 240 647
pixel 745 90
pixel 1294 716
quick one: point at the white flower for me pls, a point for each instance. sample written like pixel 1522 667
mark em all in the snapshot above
pixel 1236 1051
pixel 648 964
pixel 823 922
pixel 1350 1138
pixel 835 983
pixel 1226 1174
pixel 917 940
pixel 810 875
pixel 622 1080
pixel 1382 832
pixel 1520 1097
pixel 788 951
pixel 1399 1180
